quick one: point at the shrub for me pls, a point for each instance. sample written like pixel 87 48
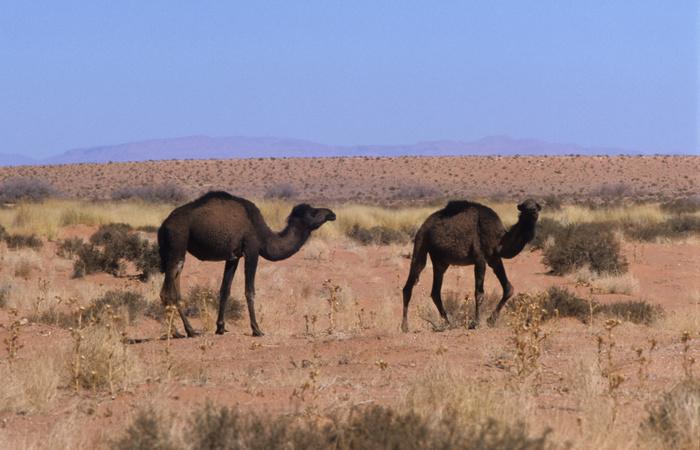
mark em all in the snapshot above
pixel 675 421
pixel 105 359
pixel 587 244
pixel 417 192
pixel 282 191
pixel 127 304
pixel 545 228
pixel 68 248
pixel 675 227
pixel 25 189
pixel 635 311
pixel 161 193
pixel 377 235
pixel 109 246
pixel 560 301
pixel 371 428
pixel 192 304
pixel 147 432
pixel 4 295
pixel 687 205
pixel 3 233
pixel 15 241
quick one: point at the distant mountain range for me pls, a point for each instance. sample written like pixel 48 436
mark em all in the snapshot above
pixel 205 147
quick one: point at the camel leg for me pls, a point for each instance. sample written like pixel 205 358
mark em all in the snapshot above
pixel 497 266
pixel 479 273
pixel 251 265
pixel 417 266
pixel 438 273
pixel 224 293
pixel 170 295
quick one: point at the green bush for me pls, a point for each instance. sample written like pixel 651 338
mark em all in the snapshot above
pixel 587 244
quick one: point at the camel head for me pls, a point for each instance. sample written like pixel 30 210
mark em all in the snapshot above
pixel 529 208
pixel 310 217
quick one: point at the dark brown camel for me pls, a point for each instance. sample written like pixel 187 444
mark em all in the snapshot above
pixel 221 227
pixel 465 233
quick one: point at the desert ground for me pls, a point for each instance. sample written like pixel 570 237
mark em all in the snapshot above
pixel 598 378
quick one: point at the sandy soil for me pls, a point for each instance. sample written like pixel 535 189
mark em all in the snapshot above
pixel 365 359
pixel 386 180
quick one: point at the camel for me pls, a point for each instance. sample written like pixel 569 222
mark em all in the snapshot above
pixel 465 233
pixel 221 227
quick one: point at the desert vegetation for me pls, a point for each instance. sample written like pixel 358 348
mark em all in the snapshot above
pixel 596 349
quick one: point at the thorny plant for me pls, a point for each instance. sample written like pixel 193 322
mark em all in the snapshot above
pixel 333 302
pixel 43 288
pixel 644 359
pixel 528 336
pixel 12 341
pixel 207 327
pixel 113 325
pixel 76 334
pixel 309 390
pixel 362 324
pixel 688 360
pixel 310 325
pixel 607 367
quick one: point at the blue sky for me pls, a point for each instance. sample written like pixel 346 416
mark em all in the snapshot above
pixel 596 73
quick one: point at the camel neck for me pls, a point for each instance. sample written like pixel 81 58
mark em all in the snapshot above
pixel 282 245
pixel 518 236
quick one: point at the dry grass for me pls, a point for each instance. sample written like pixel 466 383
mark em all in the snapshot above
pixel 31 384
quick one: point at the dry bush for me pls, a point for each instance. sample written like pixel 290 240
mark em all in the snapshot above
pixel 24 268
pixel 68 248
pixel 685 205
pixel 635 311
pixel 31 384
pixel 105 359
pixel 378 235
pixel 25 189
pixel 620 284
pixel 676 227
pixel 674 422
pixel 371 428
pixel 162 193
pixel 588 244
pixel 110 246
pixel 414 192
pixel 281 191
pixel 560 302
pixel 148 431
pixel 128 306
pixel 15 241
pixel 4 295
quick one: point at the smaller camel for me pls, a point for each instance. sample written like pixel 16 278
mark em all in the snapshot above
pixel 221 227
pixel 465 233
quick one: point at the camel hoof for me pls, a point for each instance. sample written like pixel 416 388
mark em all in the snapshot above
pixel 177 335
pixel 258 333
pixel 492 321
pixel 221 330
pixel 404 327
pixel 192 333
pixel 473 324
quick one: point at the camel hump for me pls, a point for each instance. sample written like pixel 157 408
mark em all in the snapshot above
pixel 455 207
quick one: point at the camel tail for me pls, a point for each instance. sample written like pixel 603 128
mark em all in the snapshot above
pixel 162 246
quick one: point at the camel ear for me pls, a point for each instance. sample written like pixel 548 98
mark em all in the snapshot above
pixel 521 207
pixel 299 210
pixel 539 208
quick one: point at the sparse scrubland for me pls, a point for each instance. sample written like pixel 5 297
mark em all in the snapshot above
pixel 596 350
